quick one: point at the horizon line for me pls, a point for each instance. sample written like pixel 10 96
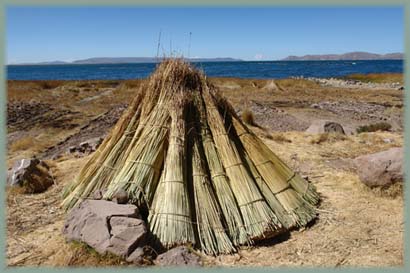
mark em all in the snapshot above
pixel 62 62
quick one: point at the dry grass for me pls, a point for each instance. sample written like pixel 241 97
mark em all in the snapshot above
pixel 297 84
pixel 80 254
pixel 351 229
pixel 352 226
pixel 328 137
pixel 22 144
pixel 278 137
pixel 49 84
pixel 377 78
pixel 380 126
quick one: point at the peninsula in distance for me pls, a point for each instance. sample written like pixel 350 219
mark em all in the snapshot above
pixel 347 56
pixel 326 57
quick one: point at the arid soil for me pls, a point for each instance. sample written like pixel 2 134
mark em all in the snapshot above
pixel 356 226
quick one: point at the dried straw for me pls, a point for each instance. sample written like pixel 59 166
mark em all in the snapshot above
pixel 220 181
pixel 181 151
pixel 171 221
pixel 258 217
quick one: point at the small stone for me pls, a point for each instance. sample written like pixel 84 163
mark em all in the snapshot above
pixel 388 140
pixel 120 197
pixel 71 149
pixel 323 126
pixel 179 256
pixel 137 256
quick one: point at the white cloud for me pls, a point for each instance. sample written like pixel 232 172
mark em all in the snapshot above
pixel 259 57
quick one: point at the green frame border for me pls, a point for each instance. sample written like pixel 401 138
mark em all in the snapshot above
pixel 217 3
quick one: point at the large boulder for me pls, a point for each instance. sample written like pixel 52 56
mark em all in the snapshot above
pixel 33 175
pixel 325 126
pixel 107 227
pixel 179 256
pixel 381 169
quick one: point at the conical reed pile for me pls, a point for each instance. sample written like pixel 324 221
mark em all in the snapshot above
pixel 206 179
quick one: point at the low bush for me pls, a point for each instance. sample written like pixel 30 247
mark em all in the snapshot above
pixel 248 117
pixel 380 126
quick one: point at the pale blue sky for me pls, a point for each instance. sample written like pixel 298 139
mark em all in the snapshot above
pixel 67 33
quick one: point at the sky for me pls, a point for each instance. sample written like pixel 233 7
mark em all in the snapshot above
pixel 36 34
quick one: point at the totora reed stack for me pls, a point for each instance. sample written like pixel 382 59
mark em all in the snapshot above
pixel 182 154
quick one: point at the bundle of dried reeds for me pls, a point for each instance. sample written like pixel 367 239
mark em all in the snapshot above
pixel 280 180
pixel 257 215
pixel 219 180
pixel 171 221
pixel 212 234
pixel 181 151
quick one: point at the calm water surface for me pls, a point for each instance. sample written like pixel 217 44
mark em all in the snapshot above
pixel 256 70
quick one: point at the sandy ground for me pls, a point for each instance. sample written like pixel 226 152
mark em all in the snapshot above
pixel 356 226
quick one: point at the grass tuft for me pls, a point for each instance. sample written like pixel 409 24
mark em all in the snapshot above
pixel 327 137
pixel 380 126
pixel 248 117
pixel 278 137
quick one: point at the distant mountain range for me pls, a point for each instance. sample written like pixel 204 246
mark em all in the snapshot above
pixel 327 57
pixel 125 60
pixel 347 56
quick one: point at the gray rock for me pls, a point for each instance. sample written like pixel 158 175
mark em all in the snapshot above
pixel 126 235
pixel 86 147
pixel 179 256
pixel 381 169
pixel 71 149
pixel 137 256
pixel 31 174
pixel 106 227
pixel 388 140
pixel 324 126
pixel 142 255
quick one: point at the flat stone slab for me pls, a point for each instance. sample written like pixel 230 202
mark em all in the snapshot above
pixel 106 226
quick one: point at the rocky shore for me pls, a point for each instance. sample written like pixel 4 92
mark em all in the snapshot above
pixel 342 83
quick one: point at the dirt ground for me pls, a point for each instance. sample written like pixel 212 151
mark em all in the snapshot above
pixel 356 226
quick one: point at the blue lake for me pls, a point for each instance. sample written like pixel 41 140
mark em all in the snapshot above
pixel 251 69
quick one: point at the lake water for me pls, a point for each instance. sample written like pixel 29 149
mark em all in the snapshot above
pixel 256 70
